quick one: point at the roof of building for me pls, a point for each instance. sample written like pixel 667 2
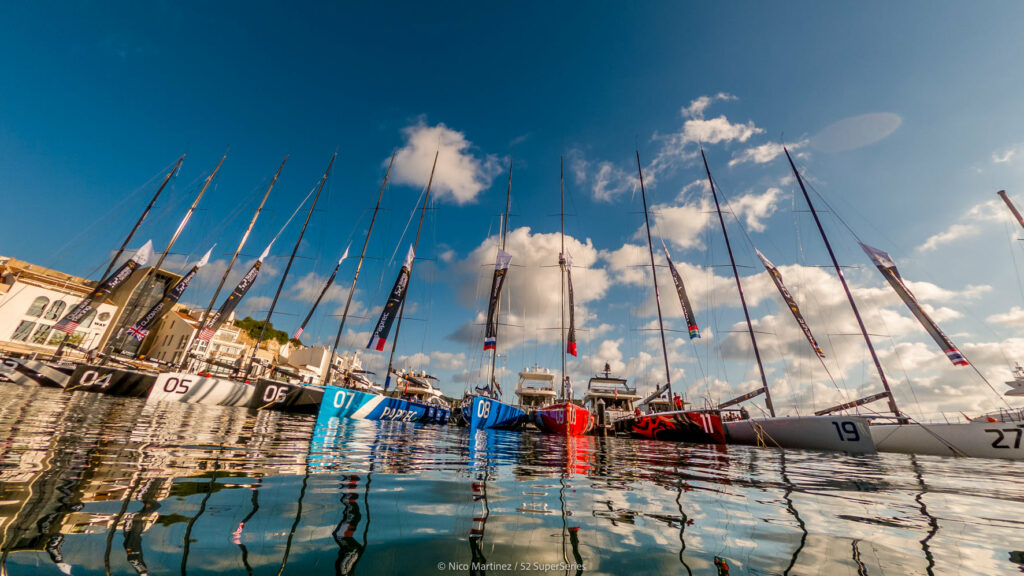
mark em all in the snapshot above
pixel 188 319
pixel 42 276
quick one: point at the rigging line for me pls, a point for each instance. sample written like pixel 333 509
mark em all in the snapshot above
pixel 750 242
pixel 408 223
pixel 99 223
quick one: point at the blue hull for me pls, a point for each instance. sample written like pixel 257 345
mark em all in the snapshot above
pixel 344 403
pixel 490 413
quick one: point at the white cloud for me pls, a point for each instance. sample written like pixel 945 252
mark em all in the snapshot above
pixel 533 286
pixel 417 361
pixel 605 180
pixel 949 236
pixel 611 181
pixel 684 224
pixel 971 223
pixel 460 174
pixel 754 208
pixel 1015 317
pixel 308 287
pixel 700 104
pixel 763 153
pixel 448 360
pixel 1006 155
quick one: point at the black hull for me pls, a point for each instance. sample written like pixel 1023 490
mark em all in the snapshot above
pixel 286 397
pixel 112 381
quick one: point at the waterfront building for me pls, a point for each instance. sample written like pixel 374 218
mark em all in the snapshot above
pixel 33 298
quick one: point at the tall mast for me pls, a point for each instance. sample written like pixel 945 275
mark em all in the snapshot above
pixel 143 216
pixel 150 277
pixel 241 244
pixel 415 245
pixel 654 275
pixel 739 288
pixel 1009 204
pixel 280 286
pixel 562 263
pixel 846 288
pixel 503 233
pixel 359 266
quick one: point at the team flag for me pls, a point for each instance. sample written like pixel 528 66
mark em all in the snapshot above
pixel 394 303
pixel 500 270
pixel 565 261
pixel 140 329
pixel 70 322
pixel 214 322
pixel 887 267
pixel 688 315
pixel 788 297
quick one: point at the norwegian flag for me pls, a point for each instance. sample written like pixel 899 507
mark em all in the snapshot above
pixel 138 333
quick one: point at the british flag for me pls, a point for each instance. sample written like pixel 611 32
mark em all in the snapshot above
pixel 138 333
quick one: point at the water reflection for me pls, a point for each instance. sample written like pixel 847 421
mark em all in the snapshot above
pixel 91 484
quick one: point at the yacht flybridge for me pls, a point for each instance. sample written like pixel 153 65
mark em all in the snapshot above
pixel 619 399
pixel 536 387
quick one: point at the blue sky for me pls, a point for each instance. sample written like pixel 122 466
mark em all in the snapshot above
pixel 904 117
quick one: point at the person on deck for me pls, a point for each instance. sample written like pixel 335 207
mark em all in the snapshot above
pixel 677 402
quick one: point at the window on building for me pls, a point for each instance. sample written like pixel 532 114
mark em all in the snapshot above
pixel 22 331
pixel 87 321
pixel 37 307
pixel 76 338
pixel 56 337
pixel 56 309
pixel 181 341
pixel 177 356
pixel 41 333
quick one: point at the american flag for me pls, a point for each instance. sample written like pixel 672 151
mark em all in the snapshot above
pixel 66 327
pixel 138 333
pixel 205 335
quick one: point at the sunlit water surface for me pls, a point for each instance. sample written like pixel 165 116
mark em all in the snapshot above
pixel 96 485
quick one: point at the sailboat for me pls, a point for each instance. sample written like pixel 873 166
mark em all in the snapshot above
pixel 565 417
pixel 25 371
pixel 819 432
pixel 485 408
pixel 994 435
pixel 704 426
pixel 129 377
pixel 341 402
pixel 192 388
pixel 981 437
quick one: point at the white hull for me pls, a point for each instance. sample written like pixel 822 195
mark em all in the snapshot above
pixel 833 433
pixel 973 439
pixel 192 389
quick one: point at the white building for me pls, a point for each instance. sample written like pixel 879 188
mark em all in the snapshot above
pixel 34 298
pixel 174 333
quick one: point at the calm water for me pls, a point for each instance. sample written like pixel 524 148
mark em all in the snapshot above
pixel 97 485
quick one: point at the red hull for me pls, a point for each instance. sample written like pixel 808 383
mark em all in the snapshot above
pixel 704 427
pixel 565 419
